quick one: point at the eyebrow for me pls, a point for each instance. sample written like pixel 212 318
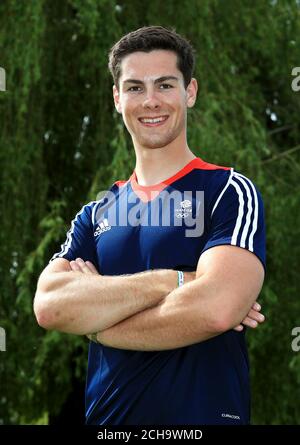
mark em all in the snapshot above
pixel 159 80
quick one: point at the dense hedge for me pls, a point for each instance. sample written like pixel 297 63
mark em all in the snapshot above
pixel 62 142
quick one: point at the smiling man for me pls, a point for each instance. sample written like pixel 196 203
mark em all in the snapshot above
pixel 161 271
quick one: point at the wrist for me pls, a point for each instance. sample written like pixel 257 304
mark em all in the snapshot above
pixel 169 280
pixel 180 276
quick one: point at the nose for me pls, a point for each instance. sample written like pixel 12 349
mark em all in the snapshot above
pixel 151 101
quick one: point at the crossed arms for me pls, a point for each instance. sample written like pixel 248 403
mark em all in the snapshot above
pixel 146 311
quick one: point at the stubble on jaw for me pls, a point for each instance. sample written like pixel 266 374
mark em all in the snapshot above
pixel 154 141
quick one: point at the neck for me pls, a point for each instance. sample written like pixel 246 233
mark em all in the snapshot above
pixel 154 165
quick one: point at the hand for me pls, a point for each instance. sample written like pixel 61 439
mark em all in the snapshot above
pixel 253 318
pixel 83 266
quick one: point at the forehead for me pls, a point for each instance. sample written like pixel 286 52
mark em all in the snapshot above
pixel 155 64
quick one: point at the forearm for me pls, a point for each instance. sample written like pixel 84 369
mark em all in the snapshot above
pixel 182 318
pixel 80 304
pixel 212 304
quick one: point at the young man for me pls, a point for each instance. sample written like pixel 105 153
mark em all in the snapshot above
pixel 167 344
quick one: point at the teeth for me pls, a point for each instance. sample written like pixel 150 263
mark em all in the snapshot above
pixel 153 121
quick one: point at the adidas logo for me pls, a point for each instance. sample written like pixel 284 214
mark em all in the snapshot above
pixel 102 227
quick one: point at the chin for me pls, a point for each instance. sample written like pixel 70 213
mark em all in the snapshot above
pixel 155 143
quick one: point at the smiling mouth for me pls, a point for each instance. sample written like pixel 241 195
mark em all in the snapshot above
pixel 153 121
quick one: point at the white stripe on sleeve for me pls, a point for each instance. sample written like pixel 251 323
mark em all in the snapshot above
pixel 240 213
pixel 255 219
pixel 222 192
pixel 249 210
pixel 243 187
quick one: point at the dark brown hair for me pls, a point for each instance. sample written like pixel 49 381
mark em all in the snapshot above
pixel 150 38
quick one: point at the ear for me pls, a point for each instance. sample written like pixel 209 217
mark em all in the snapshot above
pixel 117 99
pixel 191 93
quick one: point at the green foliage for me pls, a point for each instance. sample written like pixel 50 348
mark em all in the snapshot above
pixel 62 142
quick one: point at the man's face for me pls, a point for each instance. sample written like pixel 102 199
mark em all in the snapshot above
pixel 152 98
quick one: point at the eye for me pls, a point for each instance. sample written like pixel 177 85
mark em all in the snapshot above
pixel 165 86
pixel 135 88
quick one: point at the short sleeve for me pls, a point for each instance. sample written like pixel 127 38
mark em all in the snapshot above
pixel 80 238
pixel 237 217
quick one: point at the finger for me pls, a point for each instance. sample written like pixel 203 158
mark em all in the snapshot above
pixel 83 267
pixel 239 328
pixel 74 266
pixel 91 267
pixel 256 306
pixel 257 316
pixel 250 322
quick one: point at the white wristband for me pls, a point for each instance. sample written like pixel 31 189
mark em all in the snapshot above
pixel 180 278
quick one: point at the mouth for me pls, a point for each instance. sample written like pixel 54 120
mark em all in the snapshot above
pixel 153 121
